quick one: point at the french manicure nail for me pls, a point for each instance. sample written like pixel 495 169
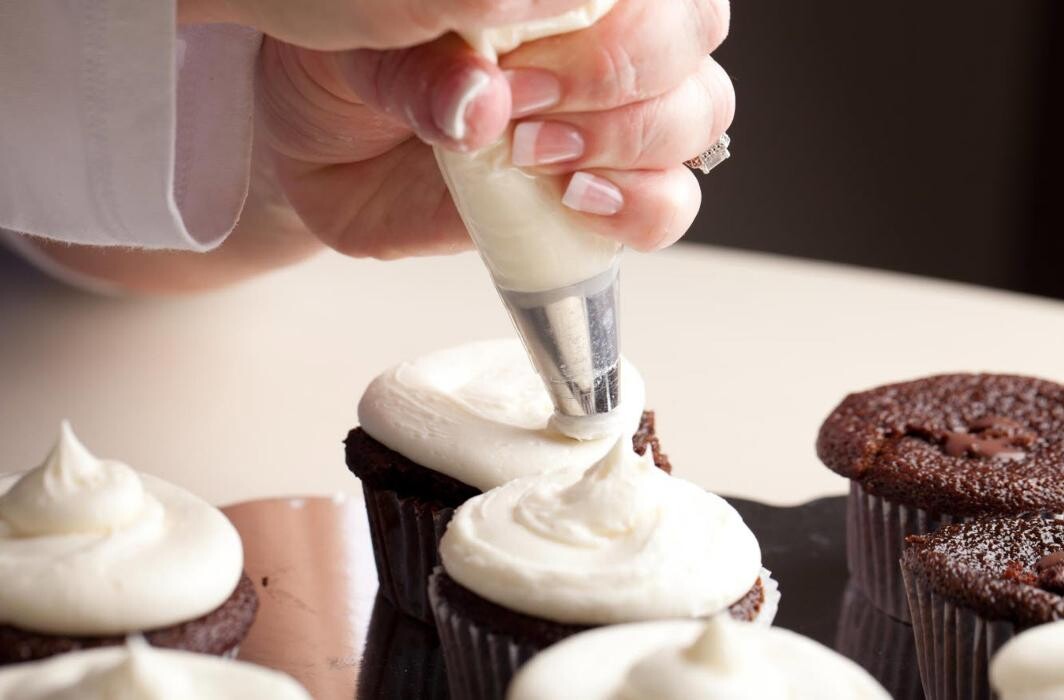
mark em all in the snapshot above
pixel 532 90
pixel 542 143
pixel 450 109
pixel 592 195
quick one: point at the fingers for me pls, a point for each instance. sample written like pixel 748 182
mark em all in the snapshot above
pixel 444 91
pixel 639 50
pixel 408 210
pixel 644 209
pixel 334 25
pixel 654 134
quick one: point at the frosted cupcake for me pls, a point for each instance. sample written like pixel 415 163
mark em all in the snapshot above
pixel 443 428
pixel 91 551
pixel 539 559
pixel 138 670
pixel 689 660
pixel 1031 666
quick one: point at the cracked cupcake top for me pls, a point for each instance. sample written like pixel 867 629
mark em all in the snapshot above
pixel 961 444
pixel 1005 569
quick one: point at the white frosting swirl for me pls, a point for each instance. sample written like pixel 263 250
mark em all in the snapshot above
pixel 1031 665
pixel 479 413
pixel 91 547
pixel 139 672
pixel 619 542
pixel 683 660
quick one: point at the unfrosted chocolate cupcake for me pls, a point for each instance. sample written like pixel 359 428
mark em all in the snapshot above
pixel 971 587
pixel 441 429
pixel 930 452
pixel 539 559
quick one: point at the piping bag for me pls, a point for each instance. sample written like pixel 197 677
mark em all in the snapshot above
pixel 558 281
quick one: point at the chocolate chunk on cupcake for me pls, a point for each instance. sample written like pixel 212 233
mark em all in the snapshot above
pixel 539 559
pixel 929 452
pixel 971 587
pixel 450 425
pixel 138 670
pixel 92 551
pixel 685 660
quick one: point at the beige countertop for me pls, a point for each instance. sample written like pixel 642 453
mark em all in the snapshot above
pixel 248 392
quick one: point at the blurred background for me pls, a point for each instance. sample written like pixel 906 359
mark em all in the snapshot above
pixel 918 137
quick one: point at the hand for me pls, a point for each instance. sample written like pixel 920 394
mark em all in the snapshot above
pixel 341 134
pixel 621 104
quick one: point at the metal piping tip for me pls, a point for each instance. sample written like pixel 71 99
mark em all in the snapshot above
pixel 571 335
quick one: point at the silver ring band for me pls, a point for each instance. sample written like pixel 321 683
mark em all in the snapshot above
pixel 712 156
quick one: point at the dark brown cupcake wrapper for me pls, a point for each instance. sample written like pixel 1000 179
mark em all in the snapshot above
pixel 954 645
pixel 875 538
pixel 405 532
pixel 880 644
pixel 480 663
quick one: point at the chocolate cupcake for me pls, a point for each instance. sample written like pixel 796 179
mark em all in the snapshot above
pixel 138 670
pixel 971 587
pixel 539 559
pixel 439 430
pixel 92 551
pixel 944 449
pixel 685 660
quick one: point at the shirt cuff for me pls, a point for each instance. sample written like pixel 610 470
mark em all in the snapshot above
pixel 122 130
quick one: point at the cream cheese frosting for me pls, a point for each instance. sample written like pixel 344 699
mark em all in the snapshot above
pixel 619 542
pixel 479 413
pixel 91 547
pixel 685 660
pixel 140 672
pixel 528 240
pixel 1031 665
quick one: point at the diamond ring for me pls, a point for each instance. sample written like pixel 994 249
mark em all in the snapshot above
pixel 712 156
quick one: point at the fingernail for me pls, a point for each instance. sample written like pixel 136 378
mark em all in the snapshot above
pixel 453 98
pixel 542 143
pixel 532 90
pixel 593 195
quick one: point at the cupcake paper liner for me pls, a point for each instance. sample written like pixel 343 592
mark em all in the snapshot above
pixel 481 662
pixel 880 644
pixel 875 538
pixel 771 605
pixel 954 645
pixel 402 658
pixel 405 532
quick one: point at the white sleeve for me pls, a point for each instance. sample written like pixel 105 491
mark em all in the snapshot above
pixel 116 129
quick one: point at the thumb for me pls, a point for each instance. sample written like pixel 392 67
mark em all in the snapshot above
pixel 444 91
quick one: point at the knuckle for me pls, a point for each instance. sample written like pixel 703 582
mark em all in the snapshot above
pixel 712 20
pixel 615 78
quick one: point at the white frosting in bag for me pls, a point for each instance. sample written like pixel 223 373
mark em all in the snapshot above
pixel 139 672
pixel 480 414
pixel 1031 665
pixel 619 542
pixel 528 240
pixel 91 547
pixel 690 660
pixel 494 41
